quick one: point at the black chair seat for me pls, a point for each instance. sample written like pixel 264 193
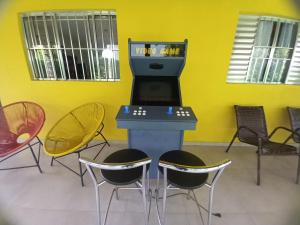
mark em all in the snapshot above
pixel 180 179
pixel 124 177
pixel 273 148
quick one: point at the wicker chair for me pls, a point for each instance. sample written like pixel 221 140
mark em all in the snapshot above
pixel 252 129
pixel 294 114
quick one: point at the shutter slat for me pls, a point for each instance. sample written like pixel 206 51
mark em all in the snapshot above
pixel 238 67
pixel 245 35
pixel 239 56
pixel 239 62
pixel 250 29
pixel 239 40
pixel 241 51
pixel 242 48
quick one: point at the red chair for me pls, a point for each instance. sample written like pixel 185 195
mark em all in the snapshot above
pixel 20 124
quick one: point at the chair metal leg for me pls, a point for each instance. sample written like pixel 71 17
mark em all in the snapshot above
pixel 35 159
pixel 144 186
pixel 211 192
pixel 105 139
pixel 164 197
pixel 258 167
pixel 188 195
pixel 52 159
pixel 234 137
pixel 157 180
pixel 39 152
pixel 117 194
pixel 298 171
pixel 98 204
pixel 108 207
pixel 199 207
pixel 100 132
pixel 148 186
pixel 80 170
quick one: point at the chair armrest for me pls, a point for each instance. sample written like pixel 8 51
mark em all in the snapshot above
pixel 115 166
pixel 195 169
pixel 249 129
pixel 286 129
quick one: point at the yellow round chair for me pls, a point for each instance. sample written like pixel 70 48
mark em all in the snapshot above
pixel 74 132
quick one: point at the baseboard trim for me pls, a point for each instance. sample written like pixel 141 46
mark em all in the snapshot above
pixel 188 143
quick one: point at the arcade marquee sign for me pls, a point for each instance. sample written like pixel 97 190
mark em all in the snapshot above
pixel 158 50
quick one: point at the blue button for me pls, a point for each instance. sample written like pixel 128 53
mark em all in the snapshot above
pixel 126 109
pixel 170 110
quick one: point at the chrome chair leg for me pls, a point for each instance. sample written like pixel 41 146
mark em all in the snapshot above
pixel 298 171
pixel 144 187
pixel 211 192
pixel 80 170
pixel 98 204
pixel 198 206
pixel 148 186
pixel 117 194
pixel 157 180
pixel 188 195
pixel 108 207
pixel 164 196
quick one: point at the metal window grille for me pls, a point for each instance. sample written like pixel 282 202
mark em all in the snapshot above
pixel 72 45
pixel 265 51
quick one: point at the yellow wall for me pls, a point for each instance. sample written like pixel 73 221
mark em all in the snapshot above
pixel 208 25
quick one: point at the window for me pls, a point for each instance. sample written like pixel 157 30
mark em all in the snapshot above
pixel 79 45
pixel 266 50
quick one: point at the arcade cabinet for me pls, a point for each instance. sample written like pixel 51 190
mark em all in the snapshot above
pixel 155 118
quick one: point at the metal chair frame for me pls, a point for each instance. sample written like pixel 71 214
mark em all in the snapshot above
pixel 81 173
pixel 140 185
pixel 36 158
pixel 217 168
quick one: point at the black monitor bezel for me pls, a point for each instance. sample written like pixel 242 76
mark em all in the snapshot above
pixel 135 87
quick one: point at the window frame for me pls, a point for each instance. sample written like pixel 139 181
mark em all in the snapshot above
pixel 243 49
pixel 56 18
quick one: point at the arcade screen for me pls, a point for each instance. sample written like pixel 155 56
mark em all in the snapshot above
pixel 156 91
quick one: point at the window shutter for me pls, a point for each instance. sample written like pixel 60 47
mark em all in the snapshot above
pixel 242 48
pixel 293 76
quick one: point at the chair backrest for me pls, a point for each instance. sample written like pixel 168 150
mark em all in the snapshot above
pixel 252 117
pixel 216 168
pixel 294 114
pixel 21 118
pixel 91 164
pixel 115 166
pixel 75 129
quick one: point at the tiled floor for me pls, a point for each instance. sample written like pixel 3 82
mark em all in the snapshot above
pixel 57 198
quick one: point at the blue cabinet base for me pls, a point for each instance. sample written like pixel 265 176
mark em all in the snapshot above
pixel 154 143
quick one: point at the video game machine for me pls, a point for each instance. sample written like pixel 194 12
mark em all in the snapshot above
pixel 156 119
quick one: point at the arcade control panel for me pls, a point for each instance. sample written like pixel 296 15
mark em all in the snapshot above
pixel 152 117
